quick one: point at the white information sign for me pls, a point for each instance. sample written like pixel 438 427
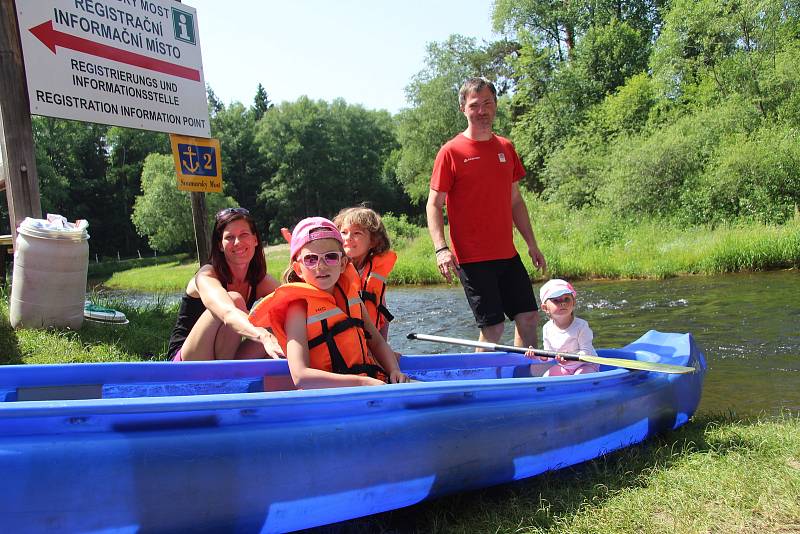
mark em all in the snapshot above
pixel 132 63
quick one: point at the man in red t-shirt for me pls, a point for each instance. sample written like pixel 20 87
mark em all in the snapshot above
pixel 476 175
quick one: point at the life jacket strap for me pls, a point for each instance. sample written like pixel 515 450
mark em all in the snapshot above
pixel 386 313
pixel 368 296
pixel 338 364
pixel 328 333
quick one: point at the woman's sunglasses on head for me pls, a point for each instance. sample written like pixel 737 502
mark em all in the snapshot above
pixel 228 211
pixel 311 260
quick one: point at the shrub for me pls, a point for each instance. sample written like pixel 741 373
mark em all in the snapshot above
pixel 399 228
pixel 754 177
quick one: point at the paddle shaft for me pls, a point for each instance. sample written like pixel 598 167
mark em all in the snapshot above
pixel 493 346
pixel 600 360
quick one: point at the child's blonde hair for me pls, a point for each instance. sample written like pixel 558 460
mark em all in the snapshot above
pixel 369 220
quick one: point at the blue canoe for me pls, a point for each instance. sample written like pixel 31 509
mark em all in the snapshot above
pixel 149 447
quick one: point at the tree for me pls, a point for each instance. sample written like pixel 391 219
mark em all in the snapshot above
pixel 162 213
pixel 710 50
pixel 571 56
pixel 323 157
pixel 243 166
pixel 74 181
pixel 261 102
pixel 127 150
pixel 558 25
pixel 215 105
pixel 551 24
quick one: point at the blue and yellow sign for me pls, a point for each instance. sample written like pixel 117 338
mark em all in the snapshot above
pixel 197 163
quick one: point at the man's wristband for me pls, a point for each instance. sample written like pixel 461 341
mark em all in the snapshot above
pixel 438 250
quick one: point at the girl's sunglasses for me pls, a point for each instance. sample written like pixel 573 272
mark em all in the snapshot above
pixel 311 260
pixel 563 299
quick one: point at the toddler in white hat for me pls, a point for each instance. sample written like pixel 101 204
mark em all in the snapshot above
pixel 564 332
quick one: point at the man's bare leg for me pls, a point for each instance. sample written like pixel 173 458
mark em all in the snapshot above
pixel 525 325
pixel 491 334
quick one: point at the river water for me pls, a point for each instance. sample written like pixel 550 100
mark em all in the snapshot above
pixel 748 326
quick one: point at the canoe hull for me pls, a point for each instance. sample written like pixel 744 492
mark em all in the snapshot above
pixel 274 462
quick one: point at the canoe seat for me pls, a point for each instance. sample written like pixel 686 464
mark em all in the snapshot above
pixel 70 392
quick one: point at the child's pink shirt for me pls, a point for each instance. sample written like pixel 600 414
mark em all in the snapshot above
pixel 577 337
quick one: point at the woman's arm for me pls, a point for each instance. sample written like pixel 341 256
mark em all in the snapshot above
pixel 217 300
pixel 304 376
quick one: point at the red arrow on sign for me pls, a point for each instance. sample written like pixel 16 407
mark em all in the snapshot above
pixel 53 38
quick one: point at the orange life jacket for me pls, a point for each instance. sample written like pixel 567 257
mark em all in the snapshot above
pixel 336 337
pixel 373 286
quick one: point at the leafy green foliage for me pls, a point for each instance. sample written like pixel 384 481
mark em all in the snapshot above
pixel 243 166
pixel 323 157
pixel 73 184
pixel 127 150
pixel 555 93
pixel 261 102
pixel 753 177
pixel 706 139
pixel 162 213
pixel 399 228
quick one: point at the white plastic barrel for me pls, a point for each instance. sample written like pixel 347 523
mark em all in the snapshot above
pixel 48 287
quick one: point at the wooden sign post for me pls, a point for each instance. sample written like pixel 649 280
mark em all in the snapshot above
pixel 17 155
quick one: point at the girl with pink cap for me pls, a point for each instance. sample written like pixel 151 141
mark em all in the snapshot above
pixel 564 332
pixel 367 245
pixel 320 320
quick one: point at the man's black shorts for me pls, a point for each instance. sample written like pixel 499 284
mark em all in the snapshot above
pixel 496 289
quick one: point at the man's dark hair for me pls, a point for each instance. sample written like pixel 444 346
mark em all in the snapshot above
pixel 475 85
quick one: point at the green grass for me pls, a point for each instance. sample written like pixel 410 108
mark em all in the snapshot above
pixel 144 338
pixel 577 245
pixel 593 244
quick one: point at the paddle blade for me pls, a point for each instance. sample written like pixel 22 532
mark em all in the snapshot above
pixel 638 364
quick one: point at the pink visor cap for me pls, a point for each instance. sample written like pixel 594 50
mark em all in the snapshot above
pixel 311 229
pixel 555 288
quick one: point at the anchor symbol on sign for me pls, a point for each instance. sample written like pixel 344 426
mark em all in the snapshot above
pixel 190 160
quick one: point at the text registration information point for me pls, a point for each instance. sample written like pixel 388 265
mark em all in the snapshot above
pixel 131 63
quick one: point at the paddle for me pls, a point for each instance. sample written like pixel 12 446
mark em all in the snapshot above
pixel 615 362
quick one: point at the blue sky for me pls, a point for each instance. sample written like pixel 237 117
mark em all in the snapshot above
pixel 363 51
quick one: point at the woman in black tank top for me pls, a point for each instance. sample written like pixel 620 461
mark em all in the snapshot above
pixel 212 319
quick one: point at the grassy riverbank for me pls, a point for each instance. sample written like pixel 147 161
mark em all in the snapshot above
pixel 577 245
pixel 143 339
